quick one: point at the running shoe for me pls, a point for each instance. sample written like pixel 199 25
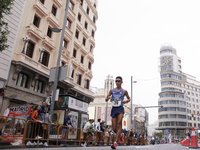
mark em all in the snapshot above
pixel 121 139
pixel 114 146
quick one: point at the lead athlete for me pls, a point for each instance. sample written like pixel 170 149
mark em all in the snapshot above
pixel 117 111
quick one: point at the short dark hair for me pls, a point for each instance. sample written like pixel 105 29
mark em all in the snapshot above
pixel 119 77
pixel 99 120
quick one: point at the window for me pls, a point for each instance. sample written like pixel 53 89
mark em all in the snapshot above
pixel 86 24
pixel 94 19
pixel 93 33
pixel 45 58
pixel 74 53
pixel 72 75
pixel 95 5
pixel 54 10
pixel 179 61
pixel 84 41
pixel 192 99
pixel 188 93
pixel 88 10
pixel 81 2
pixel 192 94
pixel 65 43
pixel 79 17
pixel 179 66
pixel 77 34
pixel 68 24
pixel 42 1
pixel 49 32
pixel 87 84
pixel 89 65
pixel 79 79
pixel 36 21
pixel 197 106
pixel 22 80
pixel 38 86
pixel 193 106
pixel 82 59
pixel 196 95
pixel 30 49
pixel 197 101
pixel 63 63
pixel 71 5
pixel 91 48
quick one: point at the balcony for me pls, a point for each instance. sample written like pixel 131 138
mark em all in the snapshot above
pixel 91 56
pixel 58 2
pixel 92 40
pixel 77 43
pixel 79 26
pixel 68 33
pixel 41 8
pixel 54 21
pixel 47 41
pixel 34 31
pixel 71 14
pixel 86 33
pixel 83 49
pixel 30 62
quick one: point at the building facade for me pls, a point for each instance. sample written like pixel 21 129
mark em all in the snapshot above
pixel 35 50
pixel 179 96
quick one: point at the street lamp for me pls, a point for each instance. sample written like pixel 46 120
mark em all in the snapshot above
pixel 59 57
pixel 132 100
pixel 25 40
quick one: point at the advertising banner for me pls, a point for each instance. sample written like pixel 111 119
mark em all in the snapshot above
pixel 77 104
pixel 20 111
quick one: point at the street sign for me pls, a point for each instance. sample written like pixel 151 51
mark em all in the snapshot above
pixel 62 73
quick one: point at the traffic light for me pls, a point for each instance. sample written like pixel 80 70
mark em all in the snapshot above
pixel 192 114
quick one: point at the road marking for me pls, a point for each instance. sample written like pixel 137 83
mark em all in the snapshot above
pixel 144 146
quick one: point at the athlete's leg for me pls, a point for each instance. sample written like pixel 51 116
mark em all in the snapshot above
pixel 119 126
pixel 114 124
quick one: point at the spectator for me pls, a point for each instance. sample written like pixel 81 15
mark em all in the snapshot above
pixel 98 130
pixel 102 126
pixel 42 111
pixel 35 126
pixel 67 123
pixel 107 135
pixel 45 126
pixel 87 132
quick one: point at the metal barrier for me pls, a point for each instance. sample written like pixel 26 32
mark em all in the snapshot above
pixel 57 135
pixel 40 132
pixel 11 128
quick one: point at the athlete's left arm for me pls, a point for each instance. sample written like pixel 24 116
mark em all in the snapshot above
pixel 127 96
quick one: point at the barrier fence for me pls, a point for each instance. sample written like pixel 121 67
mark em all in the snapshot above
pixel 15 129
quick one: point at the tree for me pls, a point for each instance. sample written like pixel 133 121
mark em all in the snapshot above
pixel 158 134
pixel 5 7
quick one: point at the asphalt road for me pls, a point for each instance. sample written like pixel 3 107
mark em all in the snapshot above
pixel 146 147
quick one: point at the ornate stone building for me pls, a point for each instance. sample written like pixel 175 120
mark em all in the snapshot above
pixel 34 49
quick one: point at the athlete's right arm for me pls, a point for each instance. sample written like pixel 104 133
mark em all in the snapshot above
pixel 108 96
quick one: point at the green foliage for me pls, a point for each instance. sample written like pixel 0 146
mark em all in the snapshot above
pixel 158 134
pixel 5 7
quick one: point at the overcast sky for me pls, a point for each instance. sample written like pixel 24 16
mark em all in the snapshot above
pixel 128 39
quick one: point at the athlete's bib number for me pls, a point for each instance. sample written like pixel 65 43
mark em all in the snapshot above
pixel 116 102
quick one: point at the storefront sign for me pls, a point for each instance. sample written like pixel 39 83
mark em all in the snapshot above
pixel 20 111
pixel 77 105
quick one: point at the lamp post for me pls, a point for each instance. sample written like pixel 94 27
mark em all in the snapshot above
pixel 109 76
pixel 59 57
pixel 132 100
pixel 40 51
pixel 25 40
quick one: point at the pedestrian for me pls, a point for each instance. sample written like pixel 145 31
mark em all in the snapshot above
pixel 35 126
pixel 88 132
pixel 47 119
pixel 170 138
pixel 67 125
pixel 117 111
pixel 187 131
pixel 98 130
